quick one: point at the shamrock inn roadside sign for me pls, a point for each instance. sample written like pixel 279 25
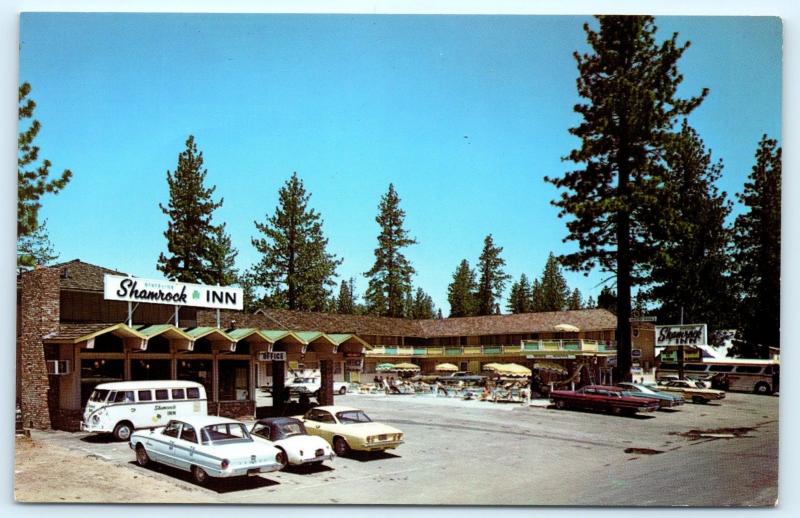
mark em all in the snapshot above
pixel 135 289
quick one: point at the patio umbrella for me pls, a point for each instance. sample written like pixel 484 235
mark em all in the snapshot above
pixel 406 367
pixel 492 367
pixel 566 328
pixel 550 366
pixel 384 367
pixel 513 369
pixel 446 367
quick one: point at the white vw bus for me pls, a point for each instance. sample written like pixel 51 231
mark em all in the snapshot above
pixel 123 406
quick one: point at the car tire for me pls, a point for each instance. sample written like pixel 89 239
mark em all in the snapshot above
pixel 762 388
pixel 616 410
pixel 199 475
pixel 123 430
pixel 284 460
pixel 142 458
pixel 698 400
pixel 342 391
pixel 560 404
pixel 340 446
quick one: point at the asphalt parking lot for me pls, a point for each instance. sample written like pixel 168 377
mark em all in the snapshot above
pixel 471 452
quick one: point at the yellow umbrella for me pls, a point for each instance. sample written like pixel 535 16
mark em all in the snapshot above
pixel 400 367
pixel 446 367
pixel 493 367
pixel 550 366
pixel 513 369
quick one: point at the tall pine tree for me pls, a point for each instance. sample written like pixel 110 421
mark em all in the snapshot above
pixel 537 296
pixel 422 306
pixel 461 291
pixel 390 276
pixel 757 252
pixel 295 267
pixel 346 302
pixel 555 293
pixel 492 277
pixel 575 300
pixel 222 259
pixel 33 182
pixel 190 233
pixel 629 83
pixel 691 271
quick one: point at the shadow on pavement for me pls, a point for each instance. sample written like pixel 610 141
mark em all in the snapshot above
pixel 306 469
pixel 101 438
pixel 365 456
pixel 218 485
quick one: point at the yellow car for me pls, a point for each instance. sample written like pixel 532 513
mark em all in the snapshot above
pixel 691 392
pixel 347 428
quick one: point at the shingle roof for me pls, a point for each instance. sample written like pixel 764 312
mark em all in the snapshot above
pixel 334 323
pixel 78 275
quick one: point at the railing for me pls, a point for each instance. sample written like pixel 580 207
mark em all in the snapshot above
pixel 474 350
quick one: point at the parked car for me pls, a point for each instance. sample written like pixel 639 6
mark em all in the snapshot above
pixel 348 429
pixel 602 398
pixel 690 392
pixel 206 446
pixel 665 399
pixel 289 435
pixel 311 384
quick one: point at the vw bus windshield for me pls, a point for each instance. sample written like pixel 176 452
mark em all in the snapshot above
pixel 99 396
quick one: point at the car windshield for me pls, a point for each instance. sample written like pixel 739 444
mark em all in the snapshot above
pixel 353 416
pixel 99 396
pixel 290 429
pixel 225 432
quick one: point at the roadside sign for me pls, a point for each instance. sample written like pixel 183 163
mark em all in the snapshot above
pixel 276 356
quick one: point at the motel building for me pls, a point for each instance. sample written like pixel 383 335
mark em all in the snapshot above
pixel 78 326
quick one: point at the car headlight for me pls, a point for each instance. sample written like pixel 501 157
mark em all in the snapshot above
pixel 370 439
pixel 95 419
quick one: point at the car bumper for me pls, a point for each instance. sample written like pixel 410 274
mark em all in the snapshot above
pixel 646 409
pixel 92 428
pixel 320 458
pixel 242 471
pixel 385 445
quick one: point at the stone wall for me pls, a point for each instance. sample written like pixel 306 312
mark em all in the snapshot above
pixel 39 316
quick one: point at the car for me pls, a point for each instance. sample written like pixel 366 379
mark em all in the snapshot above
pixel 347 429
pixel 208 447
pixel 690 392
pixel 602 398
pixel 665 399
pixel 310 385
pixel 289 435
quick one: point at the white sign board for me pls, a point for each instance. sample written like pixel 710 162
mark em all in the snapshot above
pixel 275 356
pixel 134 289
pixel 689 334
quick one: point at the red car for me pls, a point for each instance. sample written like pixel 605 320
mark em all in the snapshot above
pixel 602 398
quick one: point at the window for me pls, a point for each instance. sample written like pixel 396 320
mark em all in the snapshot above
pixel 124 396
pixel 669 366
pixel 162 394
pixel 749 369
pixel 193 393
pixel 695 367
pixel 721 368
pixel 172 429
pixel 352 416
pixel 145 395
pixel 320 416
pixel 178 394
pixel 188 433
pixel 99 396
pixel 224 432
pixel 261 430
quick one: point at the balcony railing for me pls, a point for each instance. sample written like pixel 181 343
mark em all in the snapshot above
pixel 479 350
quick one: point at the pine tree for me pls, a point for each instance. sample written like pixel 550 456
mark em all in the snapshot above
pixel 630 83
pixel 33 182
pixel 346 302
pixel 439 314
pixel 390 276
pixel 247 282
pixel 537 297
pixel 757 249
pixel 295 267
pixel 555 293
pixel 607 299
pixel 519 300
pixel 691 268
pixel 422 306
pixel 190 233
pixel 590 303
pixel 461 291
pixel 222 259
pixel 575 300
pixel 492 277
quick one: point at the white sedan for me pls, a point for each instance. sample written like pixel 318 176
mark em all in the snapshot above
pixel 290 436
pixel 206 446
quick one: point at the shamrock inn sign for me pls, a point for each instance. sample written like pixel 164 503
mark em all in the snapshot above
pixel 135 289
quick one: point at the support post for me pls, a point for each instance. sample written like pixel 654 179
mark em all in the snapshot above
pixel 326 382
pixel 130 313
pixel 177 321
pixel 278 385
pixel 217 318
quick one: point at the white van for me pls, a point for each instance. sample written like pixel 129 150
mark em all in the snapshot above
pixel 123 406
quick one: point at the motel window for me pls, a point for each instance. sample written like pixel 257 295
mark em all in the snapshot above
pixel 193 393
pixel 178 394
pixel 162 394
pixel 145 395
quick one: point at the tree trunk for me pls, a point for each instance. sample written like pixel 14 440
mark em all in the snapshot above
pixel 623 284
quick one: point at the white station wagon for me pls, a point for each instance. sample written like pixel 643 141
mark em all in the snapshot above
pixel 207 446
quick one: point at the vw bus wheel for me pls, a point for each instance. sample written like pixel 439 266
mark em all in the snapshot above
pixel 199 475
pixel 762 388
pixel 122 432
pixel 343 391
pixel 142 458
pixel 340 446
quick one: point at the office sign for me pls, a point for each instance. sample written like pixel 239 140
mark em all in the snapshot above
pixel 135 289
pixel 690 334
pixel 275 356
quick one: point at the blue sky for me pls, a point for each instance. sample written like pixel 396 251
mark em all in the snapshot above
pixel 465 114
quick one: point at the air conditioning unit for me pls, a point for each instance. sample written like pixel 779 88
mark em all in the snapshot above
pixel 58 367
